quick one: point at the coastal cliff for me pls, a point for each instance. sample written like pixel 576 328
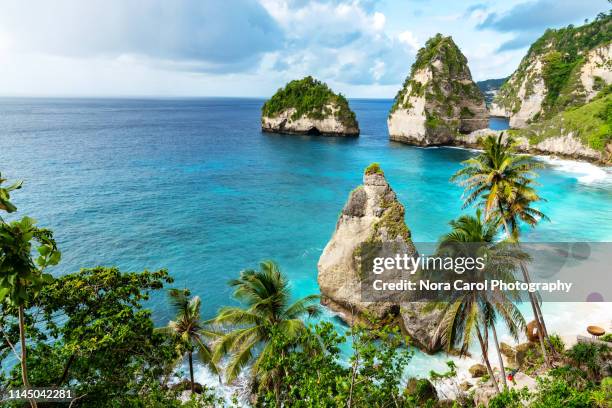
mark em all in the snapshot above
pixel 308 106
pixel 583 133
pixel 438 99
pixel 564 68
pixel 372 217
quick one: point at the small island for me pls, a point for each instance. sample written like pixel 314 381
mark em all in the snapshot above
pixel 308 106
pixel 438 99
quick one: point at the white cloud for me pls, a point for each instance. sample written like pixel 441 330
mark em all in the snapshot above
pixel 188 35
pixel 337 41
pixel 409 39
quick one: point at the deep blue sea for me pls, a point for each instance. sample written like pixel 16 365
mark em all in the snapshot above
pixel 192 185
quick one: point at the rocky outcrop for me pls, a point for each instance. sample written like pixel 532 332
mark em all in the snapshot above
pixel 439 99
pixel 308 106
pixel 564 68
pixel 478 370
pixel 560 136
pixel 370 225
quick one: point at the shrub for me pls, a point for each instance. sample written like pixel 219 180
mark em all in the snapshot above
pixel 374 168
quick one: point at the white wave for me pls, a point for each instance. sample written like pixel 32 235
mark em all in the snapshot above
pixel 227 392
pixel 585 172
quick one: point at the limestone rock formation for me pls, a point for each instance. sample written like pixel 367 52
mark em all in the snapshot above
pixel 372 218
pixel 439 99
pixel 308 106
pixel 564 68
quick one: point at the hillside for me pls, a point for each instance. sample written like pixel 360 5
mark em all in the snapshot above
pixel 563 68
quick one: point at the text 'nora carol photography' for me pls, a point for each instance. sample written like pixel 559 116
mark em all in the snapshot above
pixel 560 272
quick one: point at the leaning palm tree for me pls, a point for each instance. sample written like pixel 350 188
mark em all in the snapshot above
pixel 189 332
pixel 501 182
pixel 265 297
pixel 476 311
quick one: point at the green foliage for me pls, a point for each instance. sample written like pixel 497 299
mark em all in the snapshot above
pixel 590 123
pixel 557 343
pixel 594 359
pixel 606 337
pixel 5 196
pixel 319 379
pixel 104 343
pixel 509 398
pixel 452 70
pixel 311 98
pixel 188 332
pixel 266 307
pixel 556 393
pixel 443 48
pixel 21 277
pixel 374 168
pixel 501 183
pixel 562 53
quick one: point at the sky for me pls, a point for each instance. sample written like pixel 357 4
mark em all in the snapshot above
pixel 185 48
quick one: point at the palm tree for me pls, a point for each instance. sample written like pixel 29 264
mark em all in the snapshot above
pixel 476 311
pixel 502 183
pixel 265 297
pixel 188 331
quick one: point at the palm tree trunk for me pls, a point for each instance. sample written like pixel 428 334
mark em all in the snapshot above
pixel 537 312
pixel 499 356
pixel 191 372
pixel 24 366
pixel 486 359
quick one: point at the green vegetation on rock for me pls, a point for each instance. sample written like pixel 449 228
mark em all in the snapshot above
pixel 311 98
pixel 562 53
pixel 448 88
pixel 590 123
pixel 374 168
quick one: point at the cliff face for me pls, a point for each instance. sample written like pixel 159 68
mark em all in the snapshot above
pixel 372 215
pixel 562 69
pixel 438 99
pixel 308 106
pixel 583 133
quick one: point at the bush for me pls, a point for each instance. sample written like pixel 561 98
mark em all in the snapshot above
pixel 606 337
pixel 374 168
pixel 509 399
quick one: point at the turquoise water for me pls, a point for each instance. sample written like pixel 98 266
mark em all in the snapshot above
pixel 193 186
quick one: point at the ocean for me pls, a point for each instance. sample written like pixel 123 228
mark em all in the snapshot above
pixel 192 185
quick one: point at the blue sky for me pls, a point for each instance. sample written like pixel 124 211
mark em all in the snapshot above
pixel 363 48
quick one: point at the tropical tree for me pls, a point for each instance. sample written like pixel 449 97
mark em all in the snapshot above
pixel 502 183
pixel 189 332
pixel 22 277
pixel 476 311
pixel 266 309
